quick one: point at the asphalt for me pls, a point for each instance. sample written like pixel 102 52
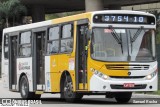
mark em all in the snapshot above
pixel 53 100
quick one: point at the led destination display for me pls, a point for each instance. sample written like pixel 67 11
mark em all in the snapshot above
pixel 125 19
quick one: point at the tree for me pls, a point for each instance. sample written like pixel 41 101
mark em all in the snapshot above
pixel 11 9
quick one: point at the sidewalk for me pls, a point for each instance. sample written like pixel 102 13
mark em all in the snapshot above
pixel 137 95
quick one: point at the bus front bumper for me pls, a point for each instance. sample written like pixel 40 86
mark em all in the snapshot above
pixel 117 85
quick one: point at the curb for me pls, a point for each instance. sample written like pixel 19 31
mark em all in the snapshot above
pixel 149 95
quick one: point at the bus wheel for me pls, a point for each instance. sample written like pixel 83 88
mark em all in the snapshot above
pixel 68 93
pixel 36 96
pixel 24 90
pixel 123 97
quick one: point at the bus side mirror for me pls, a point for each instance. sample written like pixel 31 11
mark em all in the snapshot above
pixel 89 33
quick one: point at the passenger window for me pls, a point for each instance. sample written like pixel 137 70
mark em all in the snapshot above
pixel 53 40
pixel 53 47
pixel 67 31
pixel 25 44
pixel 54 33
pixel 66 45
pixel 25 50
pixel 67 39
pixel 25 38
pixel 6 46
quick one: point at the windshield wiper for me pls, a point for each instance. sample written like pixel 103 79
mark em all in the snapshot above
pixel 115 35
pixel 135 36
pixel 117 38
pixel 130 39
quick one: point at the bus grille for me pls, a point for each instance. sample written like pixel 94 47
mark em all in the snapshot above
pixel 127 67
pixel 127 77
pixel 141 86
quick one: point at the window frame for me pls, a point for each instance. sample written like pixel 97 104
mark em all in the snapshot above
pixel 4 45
pixel 60 38
pixel 47 40
pixel 19 44
pixel 72 37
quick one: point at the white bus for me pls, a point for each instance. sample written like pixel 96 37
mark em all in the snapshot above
pixel 102 52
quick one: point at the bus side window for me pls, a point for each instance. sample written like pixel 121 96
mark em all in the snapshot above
pixel 6 46
pixel 25 44
pixel 67 38
pixel 53 40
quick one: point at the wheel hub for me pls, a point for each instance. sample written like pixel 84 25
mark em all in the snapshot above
pixel 24 88
pixel 68 89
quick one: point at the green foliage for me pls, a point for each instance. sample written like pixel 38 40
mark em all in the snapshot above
pixel 19 9
pixel 2 23
pixel 51 16
pixel 11 9
pixel 157 15
pixel 158 36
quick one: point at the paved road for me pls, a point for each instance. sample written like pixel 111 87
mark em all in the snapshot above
pixel 88 101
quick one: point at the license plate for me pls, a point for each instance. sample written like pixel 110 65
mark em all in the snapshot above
pixel 128 85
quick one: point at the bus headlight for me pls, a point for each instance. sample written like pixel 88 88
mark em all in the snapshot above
pixel 101 75
pixel 150 76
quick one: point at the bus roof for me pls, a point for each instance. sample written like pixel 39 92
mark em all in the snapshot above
pixel 46 23
pixel 123 12
pixel 69 18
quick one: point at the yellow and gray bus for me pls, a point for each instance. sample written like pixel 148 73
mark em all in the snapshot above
pixel 102 52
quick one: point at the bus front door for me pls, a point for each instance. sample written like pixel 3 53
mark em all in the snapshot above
pixel 81 58
pixel 13 63
pixel 38 61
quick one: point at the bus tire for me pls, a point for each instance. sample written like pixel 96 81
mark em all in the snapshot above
pixel 24 90
pixel 123 97
pixel 36 96
pixel 67 91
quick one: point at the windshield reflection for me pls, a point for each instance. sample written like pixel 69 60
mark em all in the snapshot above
pixel 123 44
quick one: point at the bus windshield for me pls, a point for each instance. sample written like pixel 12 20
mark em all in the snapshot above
pixel 123 44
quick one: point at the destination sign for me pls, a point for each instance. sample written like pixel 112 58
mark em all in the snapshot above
pixel 124 19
